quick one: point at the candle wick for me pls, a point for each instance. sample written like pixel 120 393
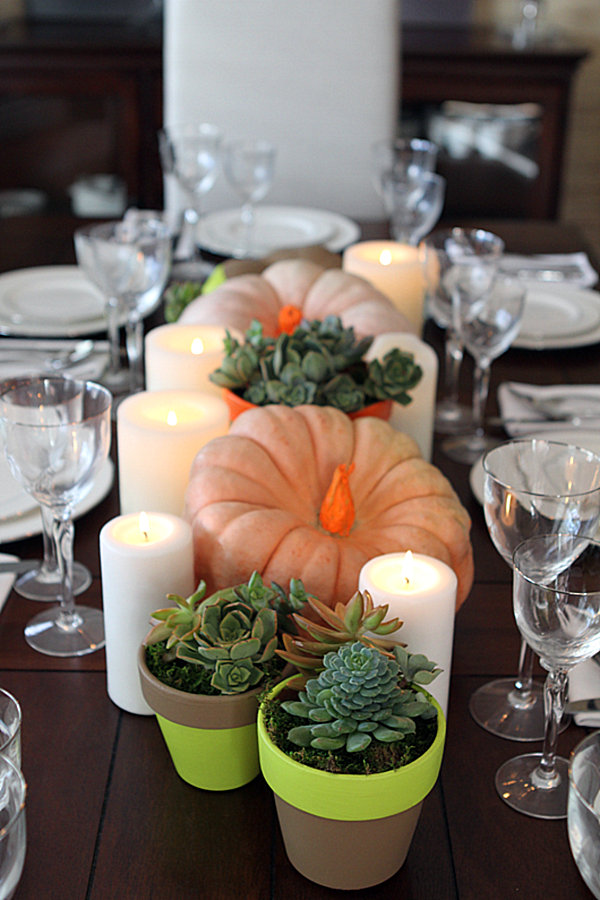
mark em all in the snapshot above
pixel 406 579
pixel 146 535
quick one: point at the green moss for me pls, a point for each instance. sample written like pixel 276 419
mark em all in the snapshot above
pixel 376 758
pixel 194 679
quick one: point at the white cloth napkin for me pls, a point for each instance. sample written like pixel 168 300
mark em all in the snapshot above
pixel 551 268
pixel 33 354
pixel 6 580
pixel 584 684
pixel 581 399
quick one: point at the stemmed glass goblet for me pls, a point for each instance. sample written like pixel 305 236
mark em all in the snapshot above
pixel 465 258
pixel 56 436
pixel 531 486
pixel 401 157
pixel 249 168
pixel 556 600
pixel 486 325
pixel 133 259
pixel 414 204
pixel 191 153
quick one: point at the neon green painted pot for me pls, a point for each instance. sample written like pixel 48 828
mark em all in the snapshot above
pixel 212 740
pixel 348 831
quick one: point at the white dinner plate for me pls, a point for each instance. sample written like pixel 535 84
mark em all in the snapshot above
pixel 559 316
pixel 589 440
pixel 30 522
pixel 14 501
pixel 277 227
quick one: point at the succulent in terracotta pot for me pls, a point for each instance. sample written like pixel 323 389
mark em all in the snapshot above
pixel 320 362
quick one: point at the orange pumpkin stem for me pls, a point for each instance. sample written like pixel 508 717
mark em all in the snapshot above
pixel 337 509
pixel 289 318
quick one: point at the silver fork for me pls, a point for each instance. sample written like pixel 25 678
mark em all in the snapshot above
pixel 61 359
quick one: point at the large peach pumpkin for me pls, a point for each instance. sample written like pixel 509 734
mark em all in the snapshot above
pixel 256 501
pixel 314 291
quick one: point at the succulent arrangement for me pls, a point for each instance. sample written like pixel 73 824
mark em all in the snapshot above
pixel 224 643
pixel 320 363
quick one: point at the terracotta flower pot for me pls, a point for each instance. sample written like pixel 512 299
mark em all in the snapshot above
pixel 212 740
pixel 348 831
pixel 237 405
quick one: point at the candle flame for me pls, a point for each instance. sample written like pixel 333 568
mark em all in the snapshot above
pixel 407 567
pixel 171 417
pixel 197 346
pixel 385 257
pixel 145 525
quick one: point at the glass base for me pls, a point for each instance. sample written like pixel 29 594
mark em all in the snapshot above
pixel 469 447
pixel 497 707
pixel 37 584
pixel 521 786
pixel 452 418
pixel 55 634
pixel 117 381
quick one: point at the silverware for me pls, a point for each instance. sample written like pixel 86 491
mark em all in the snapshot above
pixel 572 404
pixel 579 706
pixel 61 359
pixel 18 566
pixel 495 421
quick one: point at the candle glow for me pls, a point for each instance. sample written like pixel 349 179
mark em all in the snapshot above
pixel 182 357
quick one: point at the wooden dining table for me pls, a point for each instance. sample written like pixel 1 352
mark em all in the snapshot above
pixel 108 818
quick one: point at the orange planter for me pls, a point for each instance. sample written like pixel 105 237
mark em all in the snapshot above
pixel 237 405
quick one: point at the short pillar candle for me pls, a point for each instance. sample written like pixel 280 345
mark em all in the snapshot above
pixel 182 357
pixel 143 557
pixel 159 434
pixel 421 591
pixel 396 270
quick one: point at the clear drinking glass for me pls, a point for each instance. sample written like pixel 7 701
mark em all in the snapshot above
pixel 583 810
pixel 191 153
pixel 57 436
pixel 13 834
pixel 133 259
pixel 414 204
pixel 465 259
pixel 249 168
pixel 556 601
pixel 10 727
pixel 531 486
pixel 401 157
pixel 486 325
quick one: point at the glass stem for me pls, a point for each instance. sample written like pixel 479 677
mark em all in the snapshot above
pixel 134 341
pixel 481 386
pixel 520 697
pixel 112 327
pixel 50 561
pixel 545 775
pixel 453 357
pixel 247 216
pixel 62 532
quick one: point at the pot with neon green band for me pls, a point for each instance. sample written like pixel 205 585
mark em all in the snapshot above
pixel 212 740
pixel 348 831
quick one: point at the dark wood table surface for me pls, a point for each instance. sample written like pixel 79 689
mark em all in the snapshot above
pixel 108 817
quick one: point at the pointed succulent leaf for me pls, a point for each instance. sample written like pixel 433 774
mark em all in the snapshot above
pixel 296 708
pixel 354 612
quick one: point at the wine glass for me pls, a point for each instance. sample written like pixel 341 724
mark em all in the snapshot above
pixel 486 326
pixel 133 258
pixel 249 168
pixel 57 435
pixel 413 203
pixel 191 153
pixel 469 258
pixel 402 157
pixel 531 486
pixel 556 600
pixel 583 810
pixel 13 830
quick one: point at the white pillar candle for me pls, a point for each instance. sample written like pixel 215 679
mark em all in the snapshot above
pixel 416 419
pixel 421 591
pixel 181 357
pixel 143 557
pixel 158 435
pixel 396 270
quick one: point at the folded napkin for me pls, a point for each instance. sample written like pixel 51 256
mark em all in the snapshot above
pixel 551 268
pixel 584 684
pixel 20 357
pixel 517 401
pixel 6 580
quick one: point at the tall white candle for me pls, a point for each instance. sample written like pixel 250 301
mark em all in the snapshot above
pixel 421 591
pixel 396 270
pixel 158 435
pixel 143 557
pixel 416 419
pixel 181 357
